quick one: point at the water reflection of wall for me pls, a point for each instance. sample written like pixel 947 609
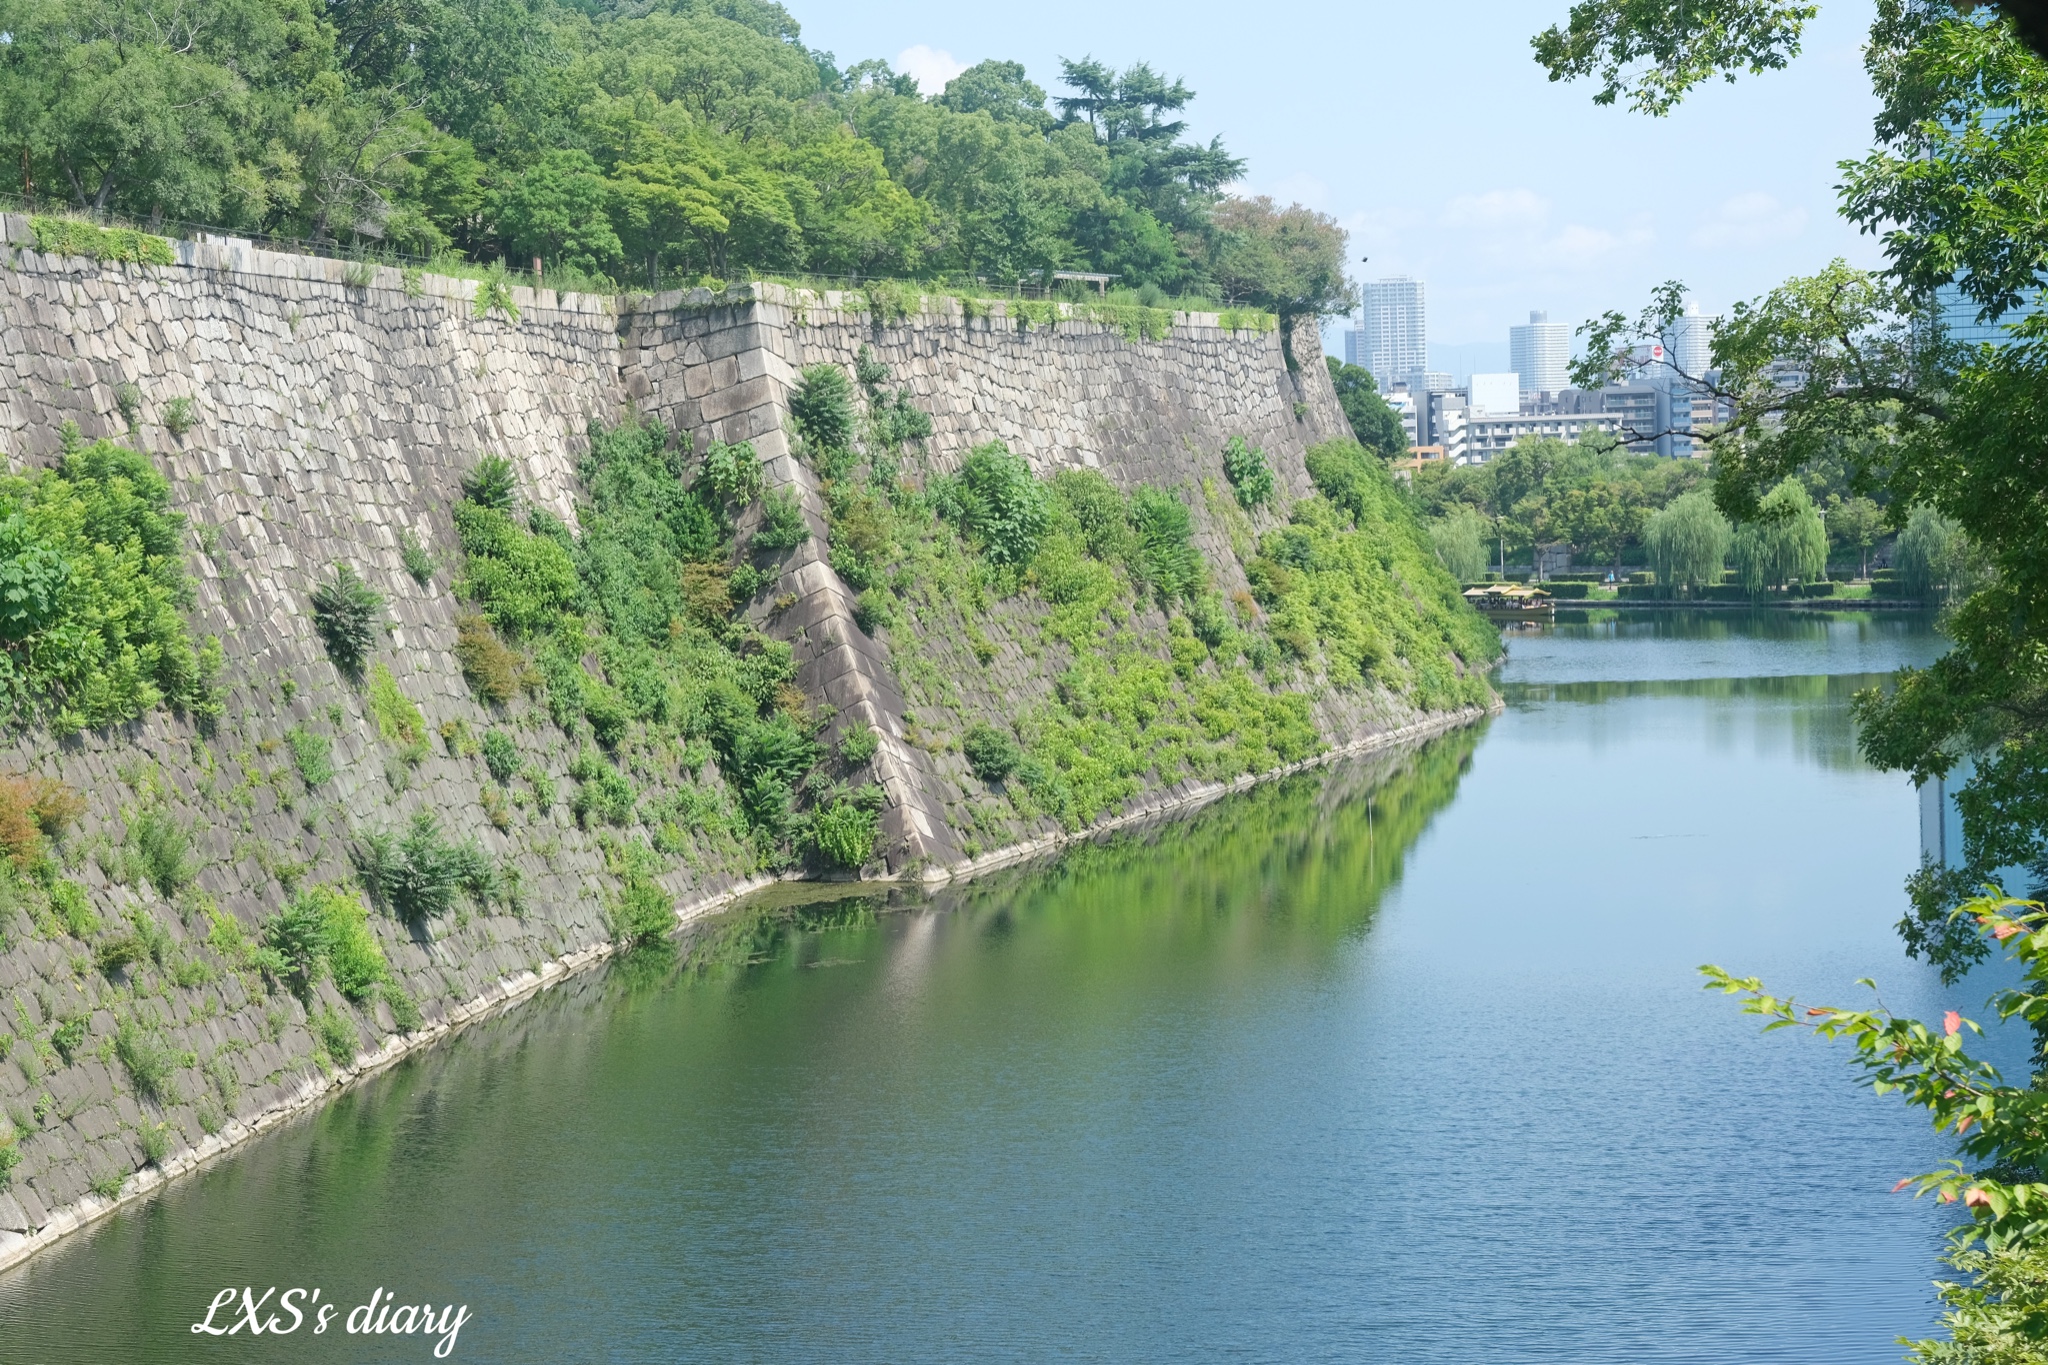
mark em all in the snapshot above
pixel 1941 822
pixel 1808 713
pixel 1314 852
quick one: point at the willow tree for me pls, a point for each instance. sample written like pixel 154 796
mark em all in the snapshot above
pixel 1460 540
pixel 1783 542
pixel 1687 542
pixel 1932 555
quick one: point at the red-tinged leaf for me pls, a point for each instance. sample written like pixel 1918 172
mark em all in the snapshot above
pixel 1963 1125
pixel 2004 932
pixel 1817 1011
pixel 1947 1197
pixel 1902 1184
pixel 1952 1023
pixel 1976 1199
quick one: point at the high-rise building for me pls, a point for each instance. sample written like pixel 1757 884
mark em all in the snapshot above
pixel 1691 342
pixel 1681 372
pixel 1393 332
pixel 1499 394
pixel 1541 353
pixel 1958 314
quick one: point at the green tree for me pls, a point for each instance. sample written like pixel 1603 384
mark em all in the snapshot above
pixel 1783 542
pixel 1855 524
pixel 1460 540
pixel 1290 260
pixel 556 210
pixel 1597 520
pixel 1002 91
pixel 1932 555
pixel 1687 542
pixel 123 104
pixel 1377 426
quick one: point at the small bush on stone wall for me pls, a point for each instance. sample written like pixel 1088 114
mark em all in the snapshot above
pixel 494 295
pixel 492 483
pixel 349 616
pixel 312 755
pixel 92 592
pixel 405 1011
pixel 858 745
pixel 398 720
pixel 161 851
pixel 732 473
pixel 493 671
pixel 30 809
pixel 501 755
pixel 336 1035
pixel 149 1060
pixel 325 929
pixel 874 610
pixel 1250 476
pixel 603 794
pixel 644 912
pixel 845 829
pixel 73 908
pixel 893 420
pixel 118 953
pixel 525 583
pixel 991 753
pixel 418 875
pixel 822 406
pixel 69 1037
pixel 180 416
pixel 419 564
pixel 783 526
pixel 1166 551
pixel 996 500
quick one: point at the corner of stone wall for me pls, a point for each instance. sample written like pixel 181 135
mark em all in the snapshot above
pixel 722 369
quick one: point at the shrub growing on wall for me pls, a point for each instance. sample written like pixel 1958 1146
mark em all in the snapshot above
pixel 326 929
pixel 992 754
pixel 845 829
pixel 492 483
pixel 823 407
pixel 998 502
pixel 92 589
pixel 732 473
pixel 1166 548
pixel 1249 474
pixel 349 616
pixel 644 913
pixel 783 526
pixel 633 641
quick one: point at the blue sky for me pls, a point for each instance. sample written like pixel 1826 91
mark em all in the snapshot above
pixel 1429 132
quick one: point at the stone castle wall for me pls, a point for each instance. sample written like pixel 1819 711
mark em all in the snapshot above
pixel 335 415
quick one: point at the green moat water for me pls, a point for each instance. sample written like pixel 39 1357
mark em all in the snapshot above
pixel 1405 1060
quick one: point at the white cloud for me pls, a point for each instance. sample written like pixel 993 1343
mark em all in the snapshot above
pixel 1750 220
pixel 931 67
pixel 1498 208
pixel 1513 226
